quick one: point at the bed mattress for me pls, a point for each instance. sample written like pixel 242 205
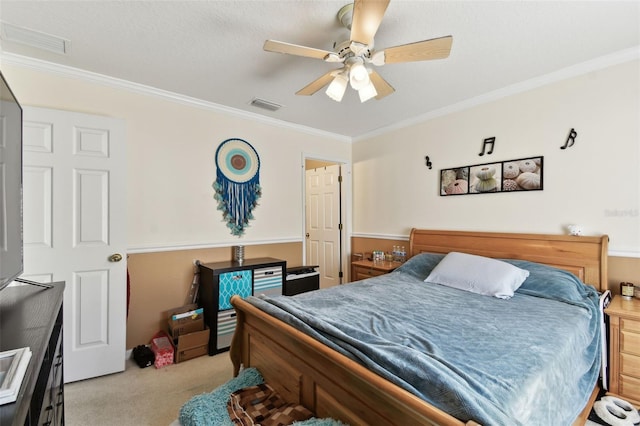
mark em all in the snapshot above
pixel 532 359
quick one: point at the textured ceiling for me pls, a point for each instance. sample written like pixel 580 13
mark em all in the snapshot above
pixel 212 50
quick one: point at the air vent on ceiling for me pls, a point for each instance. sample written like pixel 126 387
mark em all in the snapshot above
pixel 16 34
pixel 261 103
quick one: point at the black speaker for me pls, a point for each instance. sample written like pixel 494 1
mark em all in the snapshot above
pixel 143 356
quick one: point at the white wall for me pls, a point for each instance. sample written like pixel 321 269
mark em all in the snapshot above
pixel 595 183
pixel 171 166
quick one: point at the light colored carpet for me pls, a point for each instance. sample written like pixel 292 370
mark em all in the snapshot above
pixel 143 396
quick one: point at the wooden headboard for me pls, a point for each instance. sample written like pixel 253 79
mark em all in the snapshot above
pixel 585 257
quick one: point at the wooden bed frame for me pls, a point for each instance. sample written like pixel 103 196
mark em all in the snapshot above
pixel 305 371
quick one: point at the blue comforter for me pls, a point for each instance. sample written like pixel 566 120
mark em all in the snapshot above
pixel 532 359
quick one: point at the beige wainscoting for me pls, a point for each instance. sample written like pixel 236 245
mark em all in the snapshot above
pixel 161 281
pixel 620 269
pixel 365 246
pixel 623 269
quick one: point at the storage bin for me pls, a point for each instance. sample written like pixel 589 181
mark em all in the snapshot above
pixel 231 283
pixel 267 281
pixel 226 327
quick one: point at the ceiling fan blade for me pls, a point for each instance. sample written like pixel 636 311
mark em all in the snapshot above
pixel 317 84
pixel 382 87
pixel 436 48
pixel 367 16
pixel 294 49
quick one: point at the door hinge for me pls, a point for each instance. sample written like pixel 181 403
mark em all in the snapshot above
pixel 340 178
pixel 340 274
pixel 340 226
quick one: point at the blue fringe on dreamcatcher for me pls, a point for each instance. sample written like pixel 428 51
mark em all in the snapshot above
pixel 236 201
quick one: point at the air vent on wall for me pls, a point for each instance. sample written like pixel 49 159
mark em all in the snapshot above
pixel 261 103
pixel 36 39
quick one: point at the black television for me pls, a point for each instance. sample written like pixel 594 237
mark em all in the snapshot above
pixel 11 240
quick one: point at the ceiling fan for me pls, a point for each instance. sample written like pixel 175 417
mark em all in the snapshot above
pixel 362 17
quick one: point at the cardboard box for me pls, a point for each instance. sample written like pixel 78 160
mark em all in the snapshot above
pixel 191 345
pixel 184 320
pixel 190 335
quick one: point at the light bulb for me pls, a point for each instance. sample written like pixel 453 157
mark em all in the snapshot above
pixel 337 87
pixel 367 92
pixel 358 76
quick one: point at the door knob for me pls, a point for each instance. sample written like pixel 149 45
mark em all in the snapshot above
pixel 116 257
pixel 306 235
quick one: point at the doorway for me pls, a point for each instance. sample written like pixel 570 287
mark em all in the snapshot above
pixel 324 233
pixel 75 230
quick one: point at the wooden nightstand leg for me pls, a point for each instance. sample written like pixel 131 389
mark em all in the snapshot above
pixel 614 354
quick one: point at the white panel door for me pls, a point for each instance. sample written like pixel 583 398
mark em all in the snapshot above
pixel 322 209
pixel 74 221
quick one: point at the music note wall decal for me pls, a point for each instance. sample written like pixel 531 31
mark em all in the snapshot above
pixel 487 141
pixel 571 139
pixel 428 162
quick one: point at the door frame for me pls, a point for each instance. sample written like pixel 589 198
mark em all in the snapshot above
pixel 345 202
pixel 94 284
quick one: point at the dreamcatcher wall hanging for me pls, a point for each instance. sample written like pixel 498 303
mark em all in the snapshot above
pixel 237 184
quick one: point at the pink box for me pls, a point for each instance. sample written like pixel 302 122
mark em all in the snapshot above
pixel 163 350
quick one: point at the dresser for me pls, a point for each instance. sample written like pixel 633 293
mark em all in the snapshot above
pixel 221 280
pixel 31 316
pixel 624 348
pixel 362 269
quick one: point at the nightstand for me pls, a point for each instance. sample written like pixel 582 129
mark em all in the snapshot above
pixel 362 269
pixel 624 348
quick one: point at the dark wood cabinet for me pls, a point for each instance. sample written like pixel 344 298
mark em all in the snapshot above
pixel 221 280
pixel 31 316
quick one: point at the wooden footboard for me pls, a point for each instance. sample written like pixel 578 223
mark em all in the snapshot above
pixel 305 371
pixel 331 385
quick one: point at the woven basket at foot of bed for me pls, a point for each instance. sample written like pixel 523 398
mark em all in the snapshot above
pixel 210 409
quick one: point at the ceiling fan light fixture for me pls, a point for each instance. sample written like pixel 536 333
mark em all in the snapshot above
pixel 378 58
pixel 337 87
pixel 367 92
pixel 345 15
pixel 333 57
pixel 362 18
pixel 358 76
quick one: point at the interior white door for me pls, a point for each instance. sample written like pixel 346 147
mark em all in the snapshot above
pixel 322 209
pixel 74 222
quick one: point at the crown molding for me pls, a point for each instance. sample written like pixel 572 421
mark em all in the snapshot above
pixel 602 62
pixel 116 83
pixel 606 61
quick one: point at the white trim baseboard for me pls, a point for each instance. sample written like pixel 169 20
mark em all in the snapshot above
pixel 199 246
pixel 381 236
pixel 624 253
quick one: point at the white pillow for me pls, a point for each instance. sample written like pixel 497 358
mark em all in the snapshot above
pixel 477 274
